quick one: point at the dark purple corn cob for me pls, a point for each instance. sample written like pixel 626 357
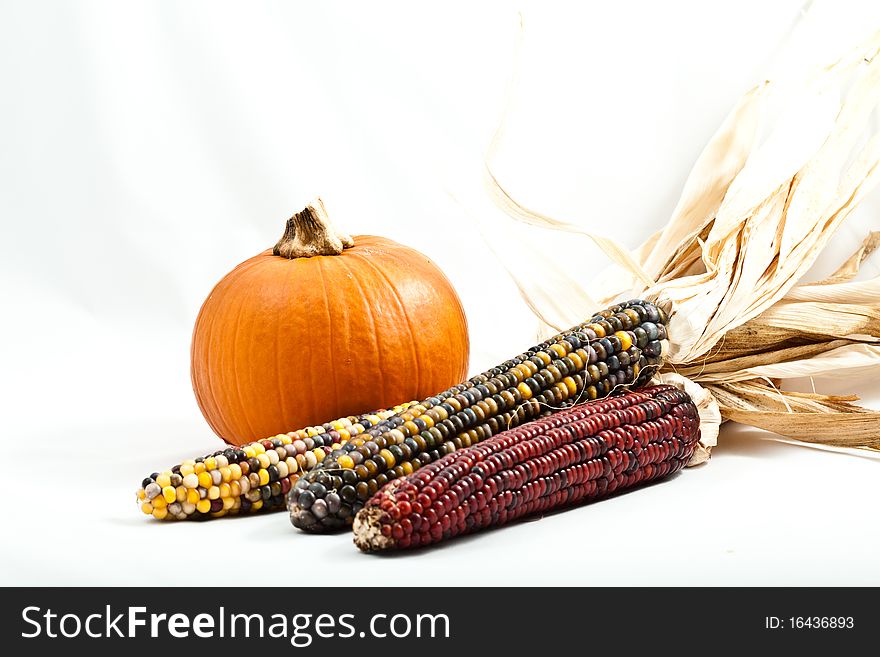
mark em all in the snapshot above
pixel 570 457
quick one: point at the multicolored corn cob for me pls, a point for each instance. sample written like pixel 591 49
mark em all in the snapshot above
pixel 568 458
pixel 616 349
pixel 256 476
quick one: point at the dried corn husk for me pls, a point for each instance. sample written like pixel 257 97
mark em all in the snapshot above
pixel 753 216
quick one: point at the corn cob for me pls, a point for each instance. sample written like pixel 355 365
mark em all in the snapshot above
pixel 571 457
pixel 256 476
pixel 617 348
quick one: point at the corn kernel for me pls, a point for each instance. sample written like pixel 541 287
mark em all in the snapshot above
pixel 264 477
pixel 205 480
pixel 164 479
pixel 192 496
pixel 225 474
pixel 199 468
pixel 625 339
pixel 159 514
pixel 235 471
pixel 181 494
pixel 345 461
pixel 524 390
pixel 211 463
pixel 224 490
pixel 249 451
pixel 186 469
pixel 388 457
pixel 147 508
pixel 213 493
pixel 159 502
pixel 203 506
pixel 142 494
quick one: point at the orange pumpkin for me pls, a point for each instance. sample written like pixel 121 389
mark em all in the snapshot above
pixel 319 328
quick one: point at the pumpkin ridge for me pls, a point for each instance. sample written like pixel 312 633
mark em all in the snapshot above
pixel 335 370
pixel 220 421
pixel 291 276
pixel 412 339
pixel 241 405
pixel 369 312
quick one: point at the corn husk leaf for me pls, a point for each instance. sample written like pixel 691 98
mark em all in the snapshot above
pixel 801 416
pixel 754 215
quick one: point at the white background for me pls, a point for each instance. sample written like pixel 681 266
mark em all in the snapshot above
pixel 148 147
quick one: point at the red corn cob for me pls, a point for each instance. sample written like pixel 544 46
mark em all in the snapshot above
pixel 571 457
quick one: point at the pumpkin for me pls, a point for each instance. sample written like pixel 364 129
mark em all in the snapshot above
pixel 324 326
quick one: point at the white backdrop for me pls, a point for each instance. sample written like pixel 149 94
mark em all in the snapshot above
pixel 148 147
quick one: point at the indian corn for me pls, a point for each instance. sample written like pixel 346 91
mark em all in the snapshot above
pixel 249 478
pixel 570 457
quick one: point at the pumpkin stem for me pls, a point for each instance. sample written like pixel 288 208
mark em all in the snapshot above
pixel 311 233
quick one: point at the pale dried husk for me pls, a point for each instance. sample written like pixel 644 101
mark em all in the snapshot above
pixel 752 219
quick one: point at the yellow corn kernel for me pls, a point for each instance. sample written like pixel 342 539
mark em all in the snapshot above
pixel 249 451
pixel 256 506
pixel 164 479
pixel 199 468
pixel 319 453
pixel 388 457
pixel 159 502
pixel 263 460
pixel 345 461
pixel 203 506
pixel 625 339
pixel 264 477
pixel 181 494
pixel 205 480
pixel 142 494
pixel 159 514
pixel 570 384
pixel 234 489
pixel 228 502
pixel 225 474
pixel 524 390
pixel 211 463
pixel 258 448
pixel 558 351
pixel 186 469
pixel 192 496
pixel 147 508
pixel 235 471
pixel 224 490
pixel 575 358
